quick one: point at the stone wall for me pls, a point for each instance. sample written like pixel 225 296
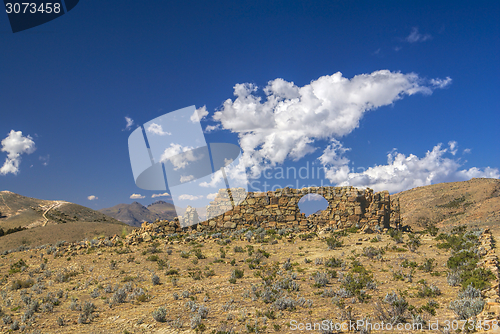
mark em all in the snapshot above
pixel 347 207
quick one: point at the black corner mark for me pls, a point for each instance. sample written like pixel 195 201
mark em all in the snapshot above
pixel 70 4
pixel 26 14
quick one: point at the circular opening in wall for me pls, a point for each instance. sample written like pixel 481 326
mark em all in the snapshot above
pixel 312 203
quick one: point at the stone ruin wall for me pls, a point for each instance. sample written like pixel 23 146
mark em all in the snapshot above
pixel 347 207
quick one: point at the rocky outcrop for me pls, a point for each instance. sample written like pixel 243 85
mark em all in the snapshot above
pixel 490 316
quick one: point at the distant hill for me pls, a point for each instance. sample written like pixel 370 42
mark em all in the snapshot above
pixel 450 204
pixel 50 221
pixel 134 214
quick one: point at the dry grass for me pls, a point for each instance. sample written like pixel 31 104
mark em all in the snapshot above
pixel 229 283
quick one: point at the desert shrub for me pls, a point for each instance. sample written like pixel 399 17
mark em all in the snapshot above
pixel 60 321
pixel 7 319
pixel 409 264
pixel 18 266
pixel 172 272
pixel 392 308
pixel 396 235
pixel 22 284
pixel 427 266
pixel 428 291
pixel 249 236
pixel 47 307
pixel 478 278
pixel 152 258
pixel 321 279
pixel 284 303
pixel 238 249
pixel 160 314
pixel 87 313
pixel 120 296
pixel 155 279
pixel 199 255
pixel 95 293
pixel 467 307
pixel 237 273
pixel 430 307
pixel 413 242
pixel 14 326
pixel 286 283
pixel 195 321
pixel 184 254
pixel 333 262
pixel 371 252
pixel 318 261
pixel 203 311
pixel 453 278
pixel 333 243
pixel 470 292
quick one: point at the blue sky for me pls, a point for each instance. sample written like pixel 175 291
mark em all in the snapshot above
pixel 370 79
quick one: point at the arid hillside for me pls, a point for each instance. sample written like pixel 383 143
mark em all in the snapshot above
pixel 449 204
pixel 36 222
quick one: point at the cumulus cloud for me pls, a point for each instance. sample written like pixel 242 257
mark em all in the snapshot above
pixel 157 130
pixel 173 154
pixel 92 198
pixel 160 195
pixel 291 119
pixel 405 172
pixel 130 122
pixel 187 178
pixel 441 83
pixel 15 144
pixel 453 147
pixel 136 196
pixel 415 36
pixel 199 114
pixel 190 197
pixel 211 128
pixel 212 196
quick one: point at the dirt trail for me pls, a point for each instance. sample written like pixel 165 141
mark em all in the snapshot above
pixel 53 206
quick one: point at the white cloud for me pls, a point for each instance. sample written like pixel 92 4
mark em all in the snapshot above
pixel 15 144
pixel 190 197
pixel 212 196
pixel 211 128
pixel 467 150
pixel 441 83
pixel 415 36
pixel 157 130
pixel 453 147
pixel 136 196
pixel 404 172
pixel 199 114
pixel 160 195
pixel 187 178
pixel 130 122
pixel 332 154
pixel 44 159
pixel 291 119
pixel 92 198
pixel 173 154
